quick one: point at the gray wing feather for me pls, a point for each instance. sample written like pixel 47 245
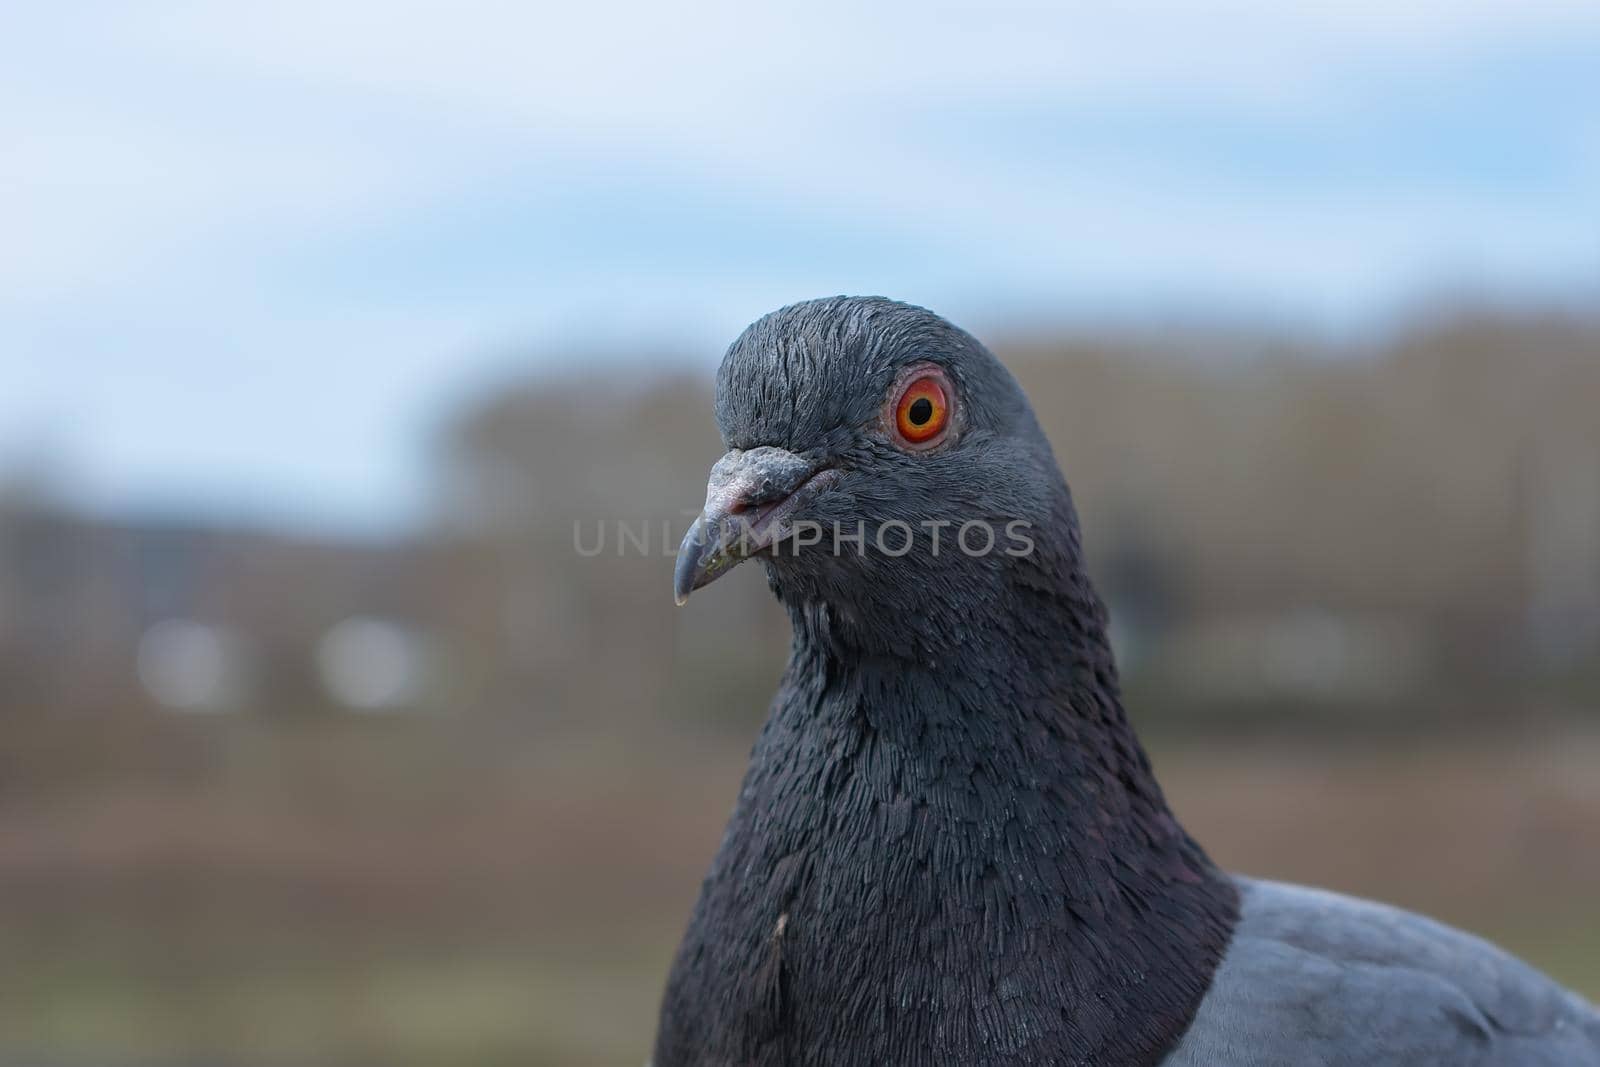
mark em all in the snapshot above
pixel 1314 979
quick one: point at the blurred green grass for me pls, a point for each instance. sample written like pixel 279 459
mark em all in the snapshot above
pixel 480 1007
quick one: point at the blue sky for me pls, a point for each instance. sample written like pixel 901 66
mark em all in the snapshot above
pixel 252 255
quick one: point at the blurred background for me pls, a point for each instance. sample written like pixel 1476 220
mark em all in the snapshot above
pixel 328 333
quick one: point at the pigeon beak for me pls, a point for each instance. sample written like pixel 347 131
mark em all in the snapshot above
pixel 750 495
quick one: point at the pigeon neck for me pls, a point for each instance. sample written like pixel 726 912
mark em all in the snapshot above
pixel 962 861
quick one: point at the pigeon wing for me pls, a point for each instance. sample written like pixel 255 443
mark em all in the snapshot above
pixel 1315 979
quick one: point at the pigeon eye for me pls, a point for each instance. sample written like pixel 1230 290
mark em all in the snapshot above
pixel 923 410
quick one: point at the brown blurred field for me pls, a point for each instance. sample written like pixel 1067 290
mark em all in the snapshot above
pixel 364 897
pixel 446 799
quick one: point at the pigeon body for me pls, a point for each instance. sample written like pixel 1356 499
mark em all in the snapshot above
pixel 949 847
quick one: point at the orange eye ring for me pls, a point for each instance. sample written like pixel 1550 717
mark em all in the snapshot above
pixel 923 410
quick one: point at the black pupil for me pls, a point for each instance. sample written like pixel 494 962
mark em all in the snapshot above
pixel 921 410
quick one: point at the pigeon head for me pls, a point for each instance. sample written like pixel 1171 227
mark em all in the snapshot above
pixel 882 465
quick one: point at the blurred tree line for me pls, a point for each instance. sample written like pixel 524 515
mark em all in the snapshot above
pixel 1402 529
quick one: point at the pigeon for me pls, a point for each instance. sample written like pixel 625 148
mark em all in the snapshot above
pixel 949 847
